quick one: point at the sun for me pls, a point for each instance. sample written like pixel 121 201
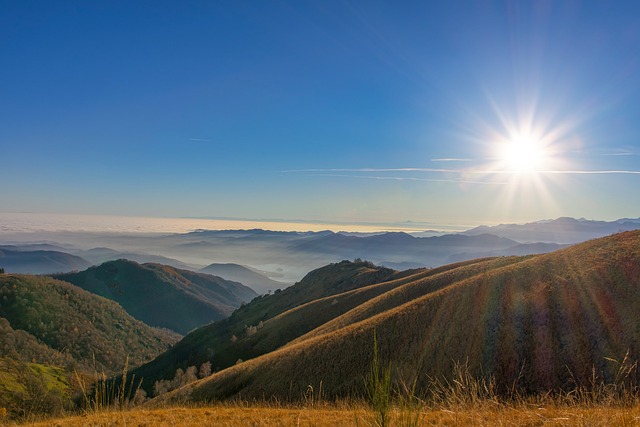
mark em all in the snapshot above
pixel 523 153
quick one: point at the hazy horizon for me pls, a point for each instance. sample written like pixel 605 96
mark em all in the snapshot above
pixel 17 224
pixel 30 222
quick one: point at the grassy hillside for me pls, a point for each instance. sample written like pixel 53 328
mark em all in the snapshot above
pixel 53 322
pixel 31 388
pixel 163 296
pixel 224 342
pixel 536 323
pixel 383 297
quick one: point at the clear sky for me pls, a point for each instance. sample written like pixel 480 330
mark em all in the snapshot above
pixel 369 111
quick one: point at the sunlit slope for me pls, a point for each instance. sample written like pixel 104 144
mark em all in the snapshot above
pixel 249 332
pixel 540 323
pixel 161 295
pixel 27 388
pixel 385 298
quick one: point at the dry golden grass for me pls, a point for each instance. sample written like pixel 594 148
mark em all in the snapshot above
pixel 544 323
pixel 214 416
pixel 353 416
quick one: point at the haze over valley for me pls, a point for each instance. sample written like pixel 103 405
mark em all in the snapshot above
pixel 284 257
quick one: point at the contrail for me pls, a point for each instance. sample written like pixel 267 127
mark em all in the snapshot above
pixel 468 171
pixel 404 178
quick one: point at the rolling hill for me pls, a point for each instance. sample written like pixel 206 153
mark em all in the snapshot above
pixel 538 323
pixel 101 255
pixel 245 275
pixel 56 323
pixel 161 295
pixel 224 342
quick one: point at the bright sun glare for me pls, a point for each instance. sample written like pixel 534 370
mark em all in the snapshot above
pixel 523 153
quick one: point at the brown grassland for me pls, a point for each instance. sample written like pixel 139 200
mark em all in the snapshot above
pixel 537 324
pixel 356 415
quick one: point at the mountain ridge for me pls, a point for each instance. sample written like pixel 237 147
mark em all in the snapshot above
pixel 242 274
pixel 161 295
pixel 562 230
pixel 39 261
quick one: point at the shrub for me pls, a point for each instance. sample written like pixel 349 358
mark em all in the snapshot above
pixel 378 387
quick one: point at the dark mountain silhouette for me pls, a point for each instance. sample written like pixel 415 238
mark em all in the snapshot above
pixel 161 295
pixel 401 247
pixel 35 247
pixel 39 261
pixel 245 275
pixel 101 255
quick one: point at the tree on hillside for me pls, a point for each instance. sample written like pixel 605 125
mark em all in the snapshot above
pixel 1 270
pixel 205 370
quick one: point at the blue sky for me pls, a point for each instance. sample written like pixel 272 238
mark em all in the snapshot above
pixel 320 110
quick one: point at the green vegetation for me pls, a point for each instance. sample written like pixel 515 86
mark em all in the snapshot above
pixel 29 389
pixel 53 322
pixel 378 388
pixel 54 335
pixel 163 296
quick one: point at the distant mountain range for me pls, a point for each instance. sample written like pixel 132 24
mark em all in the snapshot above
pixel 296 252
pixel 161 295
pixel 48 258
pixel 535 323
pixel 561 230
pixel 100 255
pixel 292 254
pixel 15 260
